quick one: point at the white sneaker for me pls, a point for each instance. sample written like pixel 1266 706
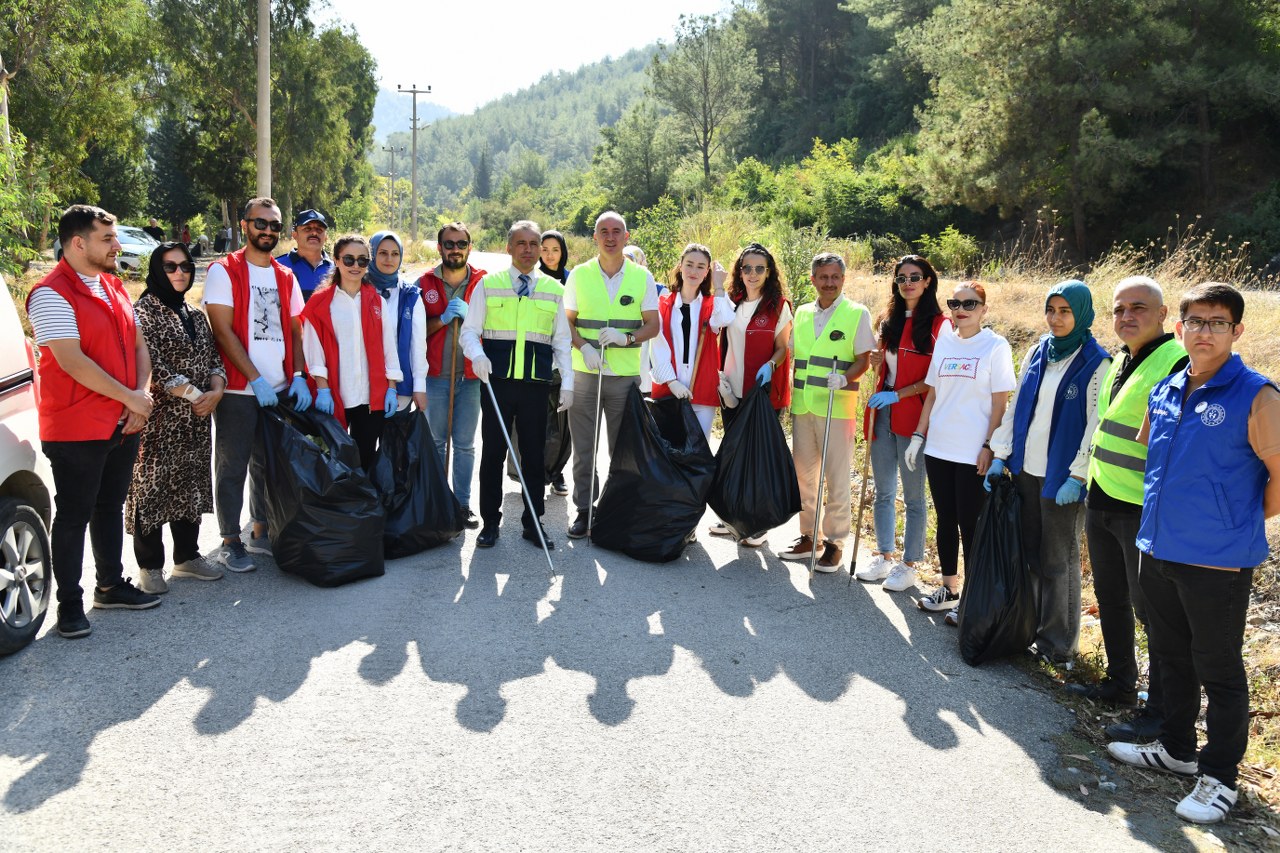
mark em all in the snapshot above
pixel 1152 756
pixel 953 617
pixel 901 578
pixel 152 581
pixel 1208 802
pixel 197 568
pixel 720 529
pixel 753 541
pixel 939 601
pixel 876 570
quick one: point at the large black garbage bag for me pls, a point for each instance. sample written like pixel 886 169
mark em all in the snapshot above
pixel 422 511
pixel 658 481
pixel 324 515
pixel 755 488
pixel 998 609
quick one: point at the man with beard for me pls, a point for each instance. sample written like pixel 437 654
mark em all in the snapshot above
pixel 309 261
pixel 94 374
pixel 453 391
pixel 253 303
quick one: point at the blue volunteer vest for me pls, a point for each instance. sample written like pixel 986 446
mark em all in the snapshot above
pixel 409 296
pixel 1202 493
pixel 1070 411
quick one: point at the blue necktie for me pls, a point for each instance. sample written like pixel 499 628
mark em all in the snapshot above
pixel 524 285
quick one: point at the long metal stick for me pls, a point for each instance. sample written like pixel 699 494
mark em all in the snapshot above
pixel 528 498
pixel 595 443
pixel 453 372
pixel 822 476
pixel 862 496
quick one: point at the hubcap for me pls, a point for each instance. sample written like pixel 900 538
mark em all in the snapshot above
pixel 23 582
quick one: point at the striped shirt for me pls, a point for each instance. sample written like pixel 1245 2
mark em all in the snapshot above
pixel 53 318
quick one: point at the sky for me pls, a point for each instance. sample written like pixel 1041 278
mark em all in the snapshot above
pixel 474 51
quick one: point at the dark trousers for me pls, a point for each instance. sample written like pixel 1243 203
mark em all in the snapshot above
pixel 523 404
pixel 958 498
pixel 1197 618
pixel 1113 555
pixel 365 426
pixel 148 548
pixel 236 441
pixel 1051 546
pixel 91 480
pixel 558 443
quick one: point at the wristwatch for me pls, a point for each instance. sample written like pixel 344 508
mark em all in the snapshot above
pixel 631 339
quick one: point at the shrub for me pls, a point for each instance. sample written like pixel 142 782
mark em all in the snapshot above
pixel 951 251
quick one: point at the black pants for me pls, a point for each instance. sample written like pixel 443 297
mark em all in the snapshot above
pixel 524 404
pixel 148 548
pixel 558 443
pixel 958 498
pixel 1197 620
pixel 91 480
pixel 365 426
pixel 1113 555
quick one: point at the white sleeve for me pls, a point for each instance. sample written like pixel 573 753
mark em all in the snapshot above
pixel 313 353
pixel 562 349
pixel 864 340
pixel 390 352
pixel 939 353
pixel 418 347
pixel 721 314
pixel 570 298
pixel 217 287
pixel 650 301
pixel 296 302
pixel 660 358
pixel 52 317
pixel 1080 465
pixel 1002 438
pixel 473 325
pixel 1002 375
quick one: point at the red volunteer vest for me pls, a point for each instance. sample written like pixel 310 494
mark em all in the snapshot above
pixel 759 349
pixel 68 411
pixel 317 315
pixel 706 379
pixel 435 299
pixel 913 366
pixel 238 271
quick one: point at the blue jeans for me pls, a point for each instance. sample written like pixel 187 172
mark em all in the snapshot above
pixel 888 464
pixel 466 416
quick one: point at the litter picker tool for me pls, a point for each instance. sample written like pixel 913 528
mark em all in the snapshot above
pixel 528 498
pixel 822 476
pixel 862 493
pixel 595 442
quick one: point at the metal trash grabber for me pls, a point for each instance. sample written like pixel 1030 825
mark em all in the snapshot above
pixel 862 496
pixel 528 498
pixel 453 383
pixel 822 474
pixel 595 444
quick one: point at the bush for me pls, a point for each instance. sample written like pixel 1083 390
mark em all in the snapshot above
pixel 950 251
pixel 794 249
pixel 657 231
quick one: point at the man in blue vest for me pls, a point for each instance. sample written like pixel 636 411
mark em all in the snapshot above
pixel 1212 479
pixel 309 261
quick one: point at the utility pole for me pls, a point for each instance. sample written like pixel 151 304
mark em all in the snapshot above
pixel 264 97
pixel 391 180
pixel 413 168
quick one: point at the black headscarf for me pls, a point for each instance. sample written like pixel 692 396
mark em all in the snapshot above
pixel 159 286
pixel 561 275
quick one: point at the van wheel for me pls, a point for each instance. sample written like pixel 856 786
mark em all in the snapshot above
pixel 26 574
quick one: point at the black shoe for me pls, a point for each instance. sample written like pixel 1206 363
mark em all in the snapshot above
pixel 72 624
pixel 1144 727
pixel 1106 690
pixel 124 596
pixel 470 521
pixel 578 530
pixel 531 535
pixel 488 536
pixel 558 486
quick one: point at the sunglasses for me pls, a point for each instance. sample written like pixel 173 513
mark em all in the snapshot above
pixel 966 304
pixel 913 278
pixel 275 226
pixel 455 244
pixel 170 267
pixel 361 261
pixel 756 269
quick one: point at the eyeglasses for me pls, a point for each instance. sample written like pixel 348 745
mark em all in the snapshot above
pixel 966 304
pixel 913 278
pixel 170 267
pixel 275 226
pixel 361 261
pixel 754 269
pixel 455 244
pixel 1217 327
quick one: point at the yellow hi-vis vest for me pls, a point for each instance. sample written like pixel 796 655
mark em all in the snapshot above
pixel 1119 460
pixel 596 312
pixel 816 358
pixel 517 332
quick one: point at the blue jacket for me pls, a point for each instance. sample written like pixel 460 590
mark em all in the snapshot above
pixel 409 296
pixel 1203 488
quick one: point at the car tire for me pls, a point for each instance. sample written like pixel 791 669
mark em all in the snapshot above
pixel 26 574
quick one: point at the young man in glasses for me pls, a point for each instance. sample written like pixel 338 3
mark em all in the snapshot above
pixel 253 302
pixel 453 417
pixel 310 263
pixel 1212 478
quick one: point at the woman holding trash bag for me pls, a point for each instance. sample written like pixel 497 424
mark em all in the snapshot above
pixel 970 377
pixel 171 476
pixel 908 328
pixel 686 354
pixel 350 352
pixel 402 308
pixel 1044 441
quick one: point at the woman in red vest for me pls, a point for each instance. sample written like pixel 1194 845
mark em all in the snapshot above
pixel 351 354
pixel 686 355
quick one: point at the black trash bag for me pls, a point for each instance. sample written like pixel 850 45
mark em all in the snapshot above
pixel 422 511
pixel 998 609
pixel 324 515
pixel 658 481
pixel 755 488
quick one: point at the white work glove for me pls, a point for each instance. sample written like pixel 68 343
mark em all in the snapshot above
pixel 913 451
pixel 613 338
pixel 590 356
pixel 566 400
pixel 726 393
pixel 679 390
pixel 481 366
pixel 837 381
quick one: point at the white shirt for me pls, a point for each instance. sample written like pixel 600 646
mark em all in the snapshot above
pixel 721 315
pixel 353 367
pixel 735 358
pixel 964 373
pixel 561 338
pixel 611 283
pixel 418 339
pixel 266 332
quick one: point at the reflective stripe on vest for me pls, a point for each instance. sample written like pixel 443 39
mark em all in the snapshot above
pixel 596 312
pixel 517 331
pixel 1118 459
pixel 816 358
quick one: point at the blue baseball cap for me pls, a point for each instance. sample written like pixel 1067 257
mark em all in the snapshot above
pixel 309 215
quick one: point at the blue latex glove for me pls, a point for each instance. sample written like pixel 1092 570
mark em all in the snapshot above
pixel 1069 492
pixel 883 399
pixel 300 393
pixel 996 469
pixel 264 392
pixel 455 310
pixel 390 403
pixel 324 401
pixel 765 373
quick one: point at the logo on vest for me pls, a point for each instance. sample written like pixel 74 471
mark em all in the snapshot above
pixel 431 296
pixel 1073 391
pixel 761 321
pixel 1211 414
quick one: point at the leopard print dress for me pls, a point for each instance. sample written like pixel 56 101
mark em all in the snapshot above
pixel 171 478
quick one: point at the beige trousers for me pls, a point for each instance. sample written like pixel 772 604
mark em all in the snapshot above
pixel 806 447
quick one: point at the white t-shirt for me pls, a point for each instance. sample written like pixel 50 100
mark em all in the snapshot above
pixel 735 359
pixel 266 332
pixel 964 373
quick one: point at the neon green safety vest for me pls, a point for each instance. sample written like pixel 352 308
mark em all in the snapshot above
pixel 1118 459
pixel 517 332
pixel 596 312
pixel 816 358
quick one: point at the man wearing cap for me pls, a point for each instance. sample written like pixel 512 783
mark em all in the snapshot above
pixel 309 261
